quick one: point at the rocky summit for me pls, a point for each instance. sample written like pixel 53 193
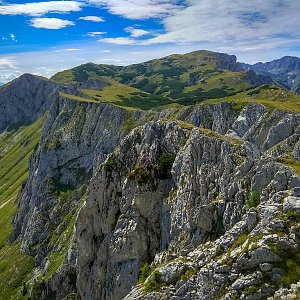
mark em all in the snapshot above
pixel 178 178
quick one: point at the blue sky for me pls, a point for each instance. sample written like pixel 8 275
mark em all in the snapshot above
pixel 43 37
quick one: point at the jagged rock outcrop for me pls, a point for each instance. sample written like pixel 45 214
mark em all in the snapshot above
pixel 198 215
pixel 173 194
pixel 285 71
pixel 228 62
pixel 77 137
pixel 25 99
pixel 128 220
pixel 247 262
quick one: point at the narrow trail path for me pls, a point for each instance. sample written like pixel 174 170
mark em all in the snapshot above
pixel 5 203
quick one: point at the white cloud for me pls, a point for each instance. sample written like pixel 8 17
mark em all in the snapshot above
pixel 119 41
pixel 68 50
pixel 136 52
pixel 9 69
pixel 138 9
pixel 9 75
pixel 106 51
pixel 40 8
pixel 96 33
pixel 50 23
pixel 135 32
pixel 43 71
pixel 8 62
pixel 251 24
pixel 12 37
pixel 92 19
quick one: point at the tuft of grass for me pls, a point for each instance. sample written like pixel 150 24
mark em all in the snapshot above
pixel 292 275
pixel 292 163
pixel 182 142
pixel 145 272
pixel 140 175
pixel 153 283
pixel 110 164
pixel 188 274
pixel 292 216
pixel 239 242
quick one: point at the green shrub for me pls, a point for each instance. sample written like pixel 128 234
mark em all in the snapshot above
pixel 110 164
pixel 253 199
pixel 72 279
pixel 61 189
pixel 182 142
pixel 140 175
pixel 162 169
pixel 293 216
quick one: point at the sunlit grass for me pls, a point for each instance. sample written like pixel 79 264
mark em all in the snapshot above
pixel 16 146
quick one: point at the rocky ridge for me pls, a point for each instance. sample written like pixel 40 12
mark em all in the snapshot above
pixel 285 71
pixel 173 194
pixel 199 202
pixel 193 226
pixel 25 99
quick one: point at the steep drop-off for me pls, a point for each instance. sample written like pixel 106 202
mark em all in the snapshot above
pixel 174 202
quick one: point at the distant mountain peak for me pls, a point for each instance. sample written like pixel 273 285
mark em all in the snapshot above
pixel 285 71
pixel 25 99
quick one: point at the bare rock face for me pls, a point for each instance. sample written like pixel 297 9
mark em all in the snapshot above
pixel 285 70
pixel 75 139
pixel 193 224
pixel 128 223
pixel 25 99
pixel 228 62
pixel 205 200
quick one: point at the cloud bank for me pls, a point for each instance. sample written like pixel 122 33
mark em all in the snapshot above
pixel 138 9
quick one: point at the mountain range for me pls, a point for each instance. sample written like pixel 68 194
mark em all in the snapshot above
pixel 177 178
pixel 285 71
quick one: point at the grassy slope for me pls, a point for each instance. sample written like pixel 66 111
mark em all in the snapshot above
pixel 121 95
pixel 273 97
pixel 85 72
pixel 16 147
pixel 184 78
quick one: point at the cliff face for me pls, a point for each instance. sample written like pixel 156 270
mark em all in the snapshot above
pixel 77 136
pixel 228 62
pixel 200 202
pixel 200 194
pixel 285 71
pixel 201 199
pixel 26 99
pixel 178 197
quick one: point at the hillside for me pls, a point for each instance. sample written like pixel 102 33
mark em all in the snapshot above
pixel 16 147
pixel 185 79
pixel 177 178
